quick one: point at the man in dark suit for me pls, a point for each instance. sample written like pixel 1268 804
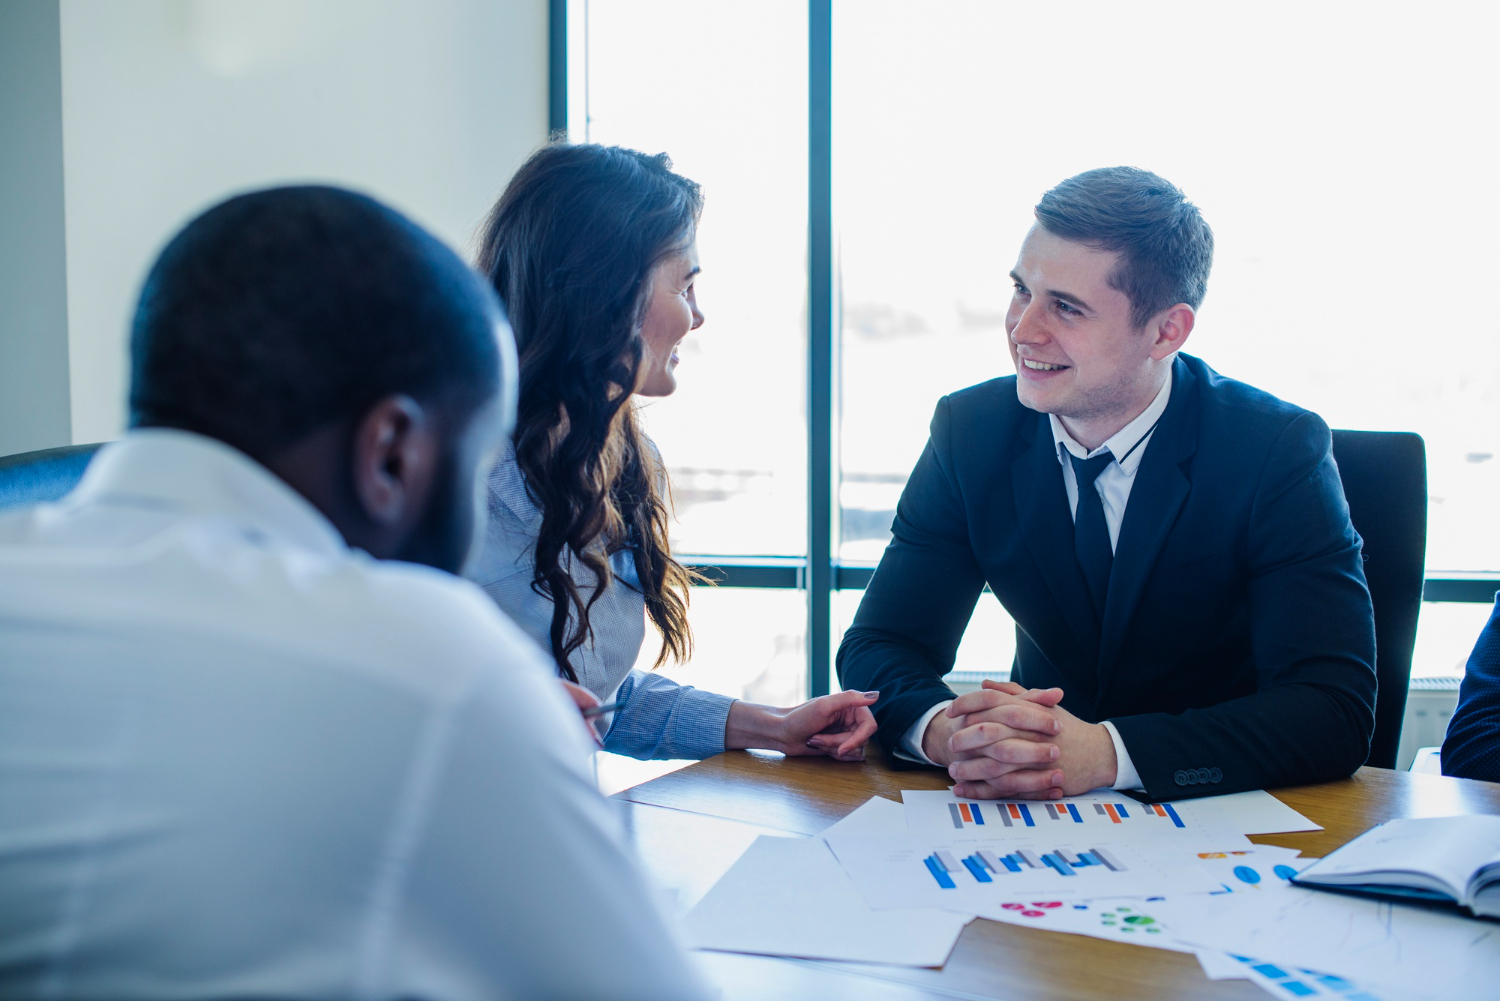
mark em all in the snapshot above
pixel 1471 750
pixel 1175 548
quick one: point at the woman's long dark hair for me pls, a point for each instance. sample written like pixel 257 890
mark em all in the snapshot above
pixel 571 247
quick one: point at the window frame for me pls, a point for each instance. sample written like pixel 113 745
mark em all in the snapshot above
pixel 820 572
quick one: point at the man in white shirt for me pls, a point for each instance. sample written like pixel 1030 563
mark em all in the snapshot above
pixel 256 740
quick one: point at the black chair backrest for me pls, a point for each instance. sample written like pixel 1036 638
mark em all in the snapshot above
pixel 37 477
pixel 1385 480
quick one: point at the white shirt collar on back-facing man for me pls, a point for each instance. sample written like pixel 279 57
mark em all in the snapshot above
pixel 238 757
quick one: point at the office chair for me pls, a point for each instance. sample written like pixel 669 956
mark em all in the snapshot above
pixel 1385 479
pixel 36 477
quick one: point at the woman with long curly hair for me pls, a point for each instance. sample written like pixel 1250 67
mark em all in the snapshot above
pixel 593 248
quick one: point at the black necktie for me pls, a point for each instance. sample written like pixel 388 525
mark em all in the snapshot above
pixel 1090 533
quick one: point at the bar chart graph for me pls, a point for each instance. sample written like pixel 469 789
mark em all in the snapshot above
pixel 1006 814
pixel 984 866
pixel 977 871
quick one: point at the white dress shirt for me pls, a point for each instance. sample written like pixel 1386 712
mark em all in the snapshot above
pixel 1128 446
pixel 239 759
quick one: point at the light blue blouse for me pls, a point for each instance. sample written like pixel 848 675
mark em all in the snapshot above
pixel 658 718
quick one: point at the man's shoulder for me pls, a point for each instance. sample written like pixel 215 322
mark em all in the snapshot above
pixel 396 625
pixel 994 397
pixel 422 625
pixel 1231 409
pixel 983 412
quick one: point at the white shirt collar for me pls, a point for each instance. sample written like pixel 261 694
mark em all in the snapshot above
pixel 1123 440
pixel 199 476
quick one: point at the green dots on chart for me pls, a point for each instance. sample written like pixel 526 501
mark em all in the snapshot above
pixel 1124 919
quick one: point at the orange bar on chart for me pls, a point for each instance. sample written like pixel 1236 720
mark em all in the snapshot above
pixel 963 808
pixel 1114 817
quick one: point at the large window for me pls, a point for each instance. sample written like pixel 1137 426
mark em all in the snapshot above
pixel 1340 152
pixel 723 90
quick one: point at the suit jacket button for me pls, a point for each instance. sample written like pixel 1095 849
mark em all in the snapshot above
pixel 1181 778
pixel 1203 775
pixel 1214 775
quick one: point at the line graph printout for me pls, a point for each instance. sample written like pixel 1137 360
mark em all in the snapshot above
pixel 1190 825
pixel 968 874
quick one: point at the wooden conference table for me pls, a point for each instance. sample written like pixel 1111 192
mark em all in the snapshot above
pixel 691 825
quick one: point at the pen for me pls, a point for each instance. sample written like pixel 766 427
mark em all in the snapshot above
pixel 600 710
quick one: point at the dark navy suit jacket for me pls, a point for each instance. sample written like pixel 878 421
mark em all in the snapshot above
pixel 1472 748
pixel 1237 646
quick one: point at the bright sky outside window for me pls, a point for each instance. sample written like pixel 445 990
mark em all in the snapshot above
pixel 722 88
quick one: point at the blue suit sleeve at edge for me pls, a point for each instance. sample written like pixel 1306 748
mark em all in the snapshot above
pixel 1471 749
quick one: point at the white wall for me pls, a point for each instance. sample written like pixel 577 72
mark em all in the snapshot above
pixel 33 298
pixel 171 105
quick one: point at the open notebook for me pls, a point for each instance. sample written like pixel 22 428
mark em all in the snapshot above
pixel 1448 859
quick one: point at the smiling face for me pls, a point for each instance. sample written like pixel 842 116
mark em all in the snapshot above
pixel 1076 351
pixel 671 314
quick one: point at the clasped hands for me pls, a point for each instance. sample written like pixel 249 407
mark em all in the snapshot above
pixel 1009 742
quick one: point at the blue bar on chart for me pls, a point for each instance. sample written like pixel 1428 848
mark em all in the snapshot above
pixel 975 865
pixel 1056 862
pixel 985 865
pixel 939 874
pixel 969 813
pixel 1063 811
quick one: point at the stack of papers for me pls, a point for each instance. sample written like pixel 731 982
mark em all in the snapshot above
pixel 790 897
pixel 905 878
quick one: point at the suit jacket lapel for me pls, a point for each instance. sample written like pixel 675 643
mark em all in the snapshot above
pixel 1047 525
pixel 1161 487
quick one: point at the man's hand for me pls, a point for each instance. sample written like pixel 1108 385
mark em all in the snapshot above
pixel 837 725
pixel 992 769
pixel 1001 702
pixel 1003 735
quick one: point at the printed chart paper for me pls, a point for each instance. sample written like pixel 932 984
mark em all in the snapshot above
pixel 1191 825
pixel 1265 868
pixel 1401 951
pixel 973 874
pixel 1258 812
pixel 788 897
pixel 1253 812
pixel 876 815
pixel 1138 920
pixel 1292 982
pixel 1119 919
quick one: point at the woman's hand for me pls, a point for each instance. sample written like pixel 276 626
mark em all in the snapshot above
pixel 837 725
pixel 584 699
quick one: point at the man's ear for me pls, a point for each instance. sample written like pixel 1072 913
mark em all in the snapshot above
pixel 396 455
pixel 1172 327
